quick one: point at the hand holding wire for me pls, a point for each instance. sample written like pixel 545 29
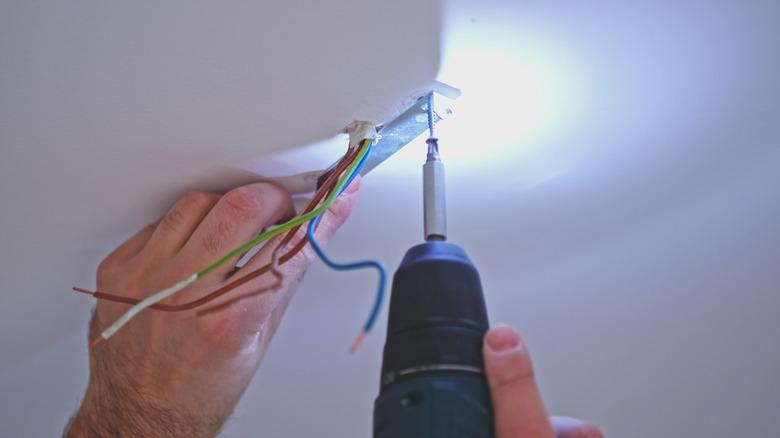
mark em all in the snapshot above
pixel 312 214
pixel 193 366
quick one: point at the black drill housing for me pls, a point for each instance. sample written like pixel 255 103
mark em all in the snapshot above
pixel 432 382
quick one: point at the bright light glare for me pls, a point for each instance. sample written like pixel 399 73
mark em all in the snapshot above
pixel 520 94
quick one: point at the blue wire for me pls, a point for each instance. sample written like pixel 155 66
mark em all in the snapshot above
pixel 357 170
pixel 355 265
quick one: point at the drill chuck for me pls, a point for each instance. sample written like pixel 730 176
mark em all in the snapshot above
pixel 432 382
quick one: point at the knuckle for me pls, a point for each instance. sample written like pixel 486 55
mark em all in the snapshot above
pixel 149 228
pixel 244 202
pixel 190 203
pixel 107 269
pixel 211 245
pixel 272 192
pixel 128 277
pixel 172 220
pixel 196 200
pixel 214 242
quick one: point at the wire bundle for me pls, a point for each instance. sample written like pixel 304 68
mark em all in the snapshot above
pixel 341 176
pixel 353 266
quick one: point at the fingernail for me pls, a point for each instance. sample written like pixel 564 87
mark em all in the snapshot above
pixel 502 338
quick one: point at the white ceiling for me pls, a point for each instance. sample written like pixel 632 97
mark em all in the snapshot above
pixel 612 171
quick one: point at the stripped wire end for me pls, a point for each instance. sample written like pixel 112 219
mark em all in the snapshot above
pixel 83 291
pixel 357 342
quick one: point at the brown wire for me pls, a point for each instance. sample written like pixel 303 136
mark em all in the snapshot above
pixel 278 280
pixel 324 189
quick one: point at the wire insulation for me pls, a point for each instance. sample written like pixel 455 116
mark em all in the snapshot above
pixel 291 223
pixel 148 301
pixel 168 292
pixel 327 187
pixel 353 266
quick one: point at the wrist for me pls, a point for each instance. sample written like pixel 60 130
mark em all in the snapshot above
pixel 131 413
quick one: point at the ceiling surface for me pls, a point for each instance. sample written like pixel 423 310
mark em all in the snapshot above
pixel 612 171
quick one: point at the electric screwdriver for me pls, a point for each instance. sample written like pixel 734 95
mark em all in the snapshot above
pixel 433 383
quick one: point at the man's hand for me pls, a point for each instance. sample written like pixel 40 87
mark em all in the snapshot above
pixel 182 373
pixel 517 404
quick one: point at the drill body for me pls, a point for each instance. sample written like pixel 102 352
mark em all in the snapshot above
pixel 432 382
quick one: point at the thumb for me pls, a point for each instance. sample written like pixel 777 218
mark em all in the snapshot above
pixel 517 404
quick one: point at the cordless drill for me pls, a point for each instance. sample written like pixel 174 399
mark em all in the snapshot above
pixel 433 383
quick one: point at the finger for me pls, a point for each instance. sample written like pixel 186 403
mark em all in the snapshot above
pixel 255 293
pixel 517 404
pixel 333 218
pixel 567 427
pixel 133 245
pixel 178 224
pixel 236 218
pixel 123 254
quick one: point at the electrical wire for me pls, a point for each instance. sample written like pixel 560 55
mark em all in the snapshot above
pixel 278 281
pixel 168 292
pixel 353 266
pixel 326 188
pixel 291 223
pixel 165 293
